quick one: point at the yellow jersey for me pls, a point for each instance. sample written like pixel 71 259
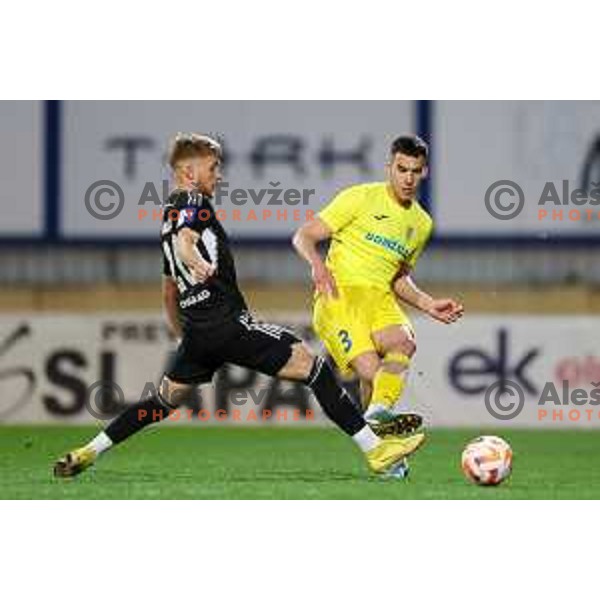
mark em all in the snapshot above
pixel 373 235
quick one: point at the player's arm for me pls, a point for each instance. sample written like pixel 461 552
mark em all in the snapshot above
pixel 170 295
pixel 445 310
pixel 186 240
pixel 339 213
pixel 305 241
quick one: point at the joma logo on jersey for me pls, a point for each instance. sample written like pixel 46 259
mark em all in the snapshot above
pixel 387 243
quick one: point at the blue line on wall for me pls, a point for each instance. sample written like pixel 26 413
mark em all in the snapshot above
pixel 52 143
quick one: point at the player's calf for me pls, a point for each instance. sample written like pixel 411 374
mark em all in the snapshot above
pixel 299 365
pixel 152 410
pixel 388 386
pixel 334 400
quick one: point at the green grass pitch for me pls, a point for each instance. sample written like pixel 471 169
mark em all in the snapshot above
pixel 281 463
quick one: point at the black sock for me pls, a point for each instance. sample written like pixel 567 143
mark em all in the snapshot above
pixel 334 400
pixel 136 417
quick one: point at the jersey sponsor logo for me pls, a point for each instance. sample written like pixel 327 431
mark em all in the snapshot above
pixel 388 243
pixel 188 214
pixel 201 297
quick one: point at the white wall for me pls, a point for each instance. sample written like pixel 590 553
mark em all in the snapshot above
pixel 477 143
pixel 21 168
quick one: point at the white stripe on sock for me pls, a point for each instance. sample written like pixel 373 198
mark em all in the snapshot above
pixel 101 443
pixel 366 439
pixel 320 363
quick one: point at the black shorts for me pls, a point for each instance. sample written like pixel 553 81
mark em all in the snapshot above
pixel 242 341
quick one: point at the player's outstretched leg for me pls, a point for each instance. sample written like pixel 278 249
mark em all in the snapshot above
pixel 382 455
pixel 130 421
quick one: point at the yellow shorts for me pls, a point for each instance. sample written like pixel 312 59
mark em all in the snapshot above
pixel 345 324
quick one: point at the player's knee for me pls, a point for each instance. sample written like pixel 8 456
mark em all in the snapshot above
pixel 403 343
pixel 174 394
pixel 409 347
pixel 299 365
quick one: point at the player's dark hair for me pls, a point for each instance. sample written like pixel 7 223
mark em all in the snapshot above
pixel 411 145
pixel 189 145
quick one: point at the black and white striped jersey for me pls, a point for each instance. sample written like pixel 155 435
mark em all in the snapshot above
pixel 219 298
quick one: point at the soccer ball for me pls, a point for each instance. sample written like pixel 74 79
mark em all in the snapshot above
pixel 487 460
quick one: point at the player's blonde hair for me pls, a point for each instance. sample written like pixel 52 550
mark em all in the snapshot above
pixel 190 145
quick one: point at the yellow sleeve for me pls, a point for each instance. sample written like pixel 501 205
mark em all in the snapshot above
pixel 412 261
pixel 343 208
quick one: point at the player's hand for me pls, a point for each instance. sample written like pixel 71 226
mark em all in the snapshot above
pixel 324 281
pixel 202 270
pixel 445 310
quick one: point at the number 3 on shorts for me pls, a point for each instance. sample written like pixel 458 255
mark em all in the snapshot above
pixel 345 339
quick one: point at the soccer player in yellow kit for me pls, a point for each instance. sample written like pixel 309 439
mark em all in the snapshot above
pixel 377 231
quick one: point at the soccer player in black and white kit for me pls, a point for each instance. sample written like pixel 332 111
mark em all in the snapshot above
pixel 208 314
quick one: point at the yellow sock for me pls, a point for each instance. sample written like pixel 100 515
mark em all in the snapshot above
pixel 387 385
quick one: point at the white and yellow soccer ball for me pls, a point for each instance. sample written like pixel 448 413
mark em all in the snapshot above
pixel 487 460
